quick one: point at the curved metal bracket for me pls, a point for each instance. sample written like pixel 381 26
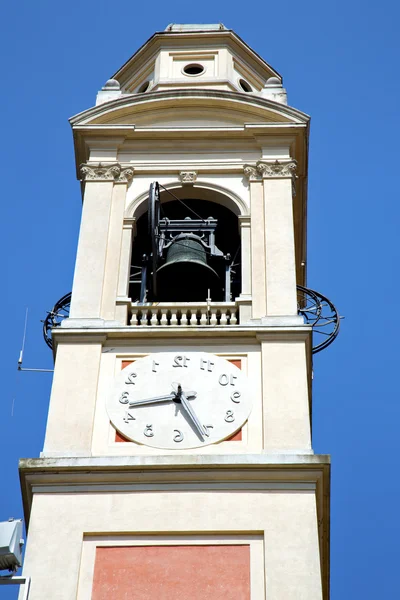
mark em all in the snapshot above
pixel 319 312
pixel 58 313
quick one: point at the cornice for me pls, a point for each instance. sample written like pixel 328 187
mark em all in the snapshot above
pixel 178 462
pixel 235 333
pixel 181 95
pixel 129 473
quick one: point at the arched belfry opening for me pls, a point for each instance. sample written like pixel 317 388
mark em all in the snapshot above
pixel 186 249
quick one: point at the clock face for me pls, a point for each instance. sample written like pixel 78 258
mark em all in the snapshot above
pixel 178 400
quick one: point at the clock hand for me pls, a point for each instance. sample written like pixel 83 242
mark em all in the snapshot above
pixel 189 395
pixel 155 400
pixel 189 410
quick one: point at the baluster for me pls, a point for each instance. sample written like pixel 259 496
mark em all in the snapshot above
pixel 202 316
pixel 162 316
pixel 152 317
pixel 135 317
pixel 173 321
pixel 233 320
pixel 223 319
pixel 213 317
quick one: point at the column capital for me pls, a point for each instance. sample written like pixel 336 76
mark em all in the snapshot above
pixel 106 172
pixel 277 168
pixel 250 171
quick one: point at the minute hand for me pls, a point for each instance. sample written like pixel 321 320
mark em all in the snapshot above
pixel 154 400
pixel 192 415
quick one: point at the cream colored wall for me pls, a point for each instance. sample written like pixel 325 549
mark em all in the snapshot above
pixel 73 398
pixel 280 270
pixel 217 62
pixel 285 395
pixel 223 68
pixel 78 423
pixel 285 520
pixel 113 257
pixel 87 289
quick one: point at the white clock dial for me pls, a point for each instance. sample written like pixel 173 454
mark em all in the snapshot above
pixel 179 400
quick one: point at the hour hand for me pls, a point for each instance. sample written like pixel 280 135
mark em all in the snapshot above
pixel 155 400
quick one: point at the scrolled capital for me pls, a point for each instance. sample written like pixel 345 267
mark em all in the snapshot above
pixel 277 168
pixel 106 172
pixel 250 171
pixel 125 175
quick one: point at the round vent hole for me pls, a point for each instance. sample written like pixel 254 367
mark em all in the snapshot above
pixel 246 87
pixel 144 87
pixel 193 69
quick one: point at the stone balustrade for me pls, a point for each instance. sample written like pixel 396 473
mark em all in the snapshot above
pixel 185 314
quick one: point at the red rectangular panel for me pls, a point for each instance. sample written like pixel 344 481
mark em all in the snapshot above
pixel 125 363
pixel 172 573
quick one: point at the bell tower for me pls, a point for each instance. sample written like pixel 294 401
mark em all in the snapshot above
pixel 177 460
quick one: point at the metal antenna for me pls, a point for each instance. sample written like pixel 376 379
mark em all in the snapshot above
pixel 21 354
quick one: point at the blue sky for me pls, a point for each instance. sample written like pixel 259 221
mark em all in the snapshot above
pixel 340 64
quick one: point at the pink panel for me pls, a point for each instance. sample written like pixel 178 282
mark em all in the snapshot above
pixel 172 573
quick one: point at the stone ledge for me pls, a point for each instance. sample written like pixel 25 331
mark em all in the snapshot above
pixel 269 473
pixel 206 331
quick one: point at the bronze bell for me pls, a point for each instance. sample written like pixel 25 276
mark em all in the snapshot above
pixel 185 276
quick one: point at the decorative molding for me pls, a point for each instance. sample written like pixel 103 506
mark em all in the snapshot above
pixel 279 169
pixel 125 175
pixel 130 225
pixel 244 220
pixel 106 172
pixel 188 176
pixel 251 172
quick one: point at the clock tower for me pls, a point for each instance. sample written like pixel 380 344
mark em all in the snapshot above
pixel 177 461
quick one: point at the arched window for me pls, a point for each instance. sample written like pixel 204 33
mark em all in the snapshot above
pixel 198 250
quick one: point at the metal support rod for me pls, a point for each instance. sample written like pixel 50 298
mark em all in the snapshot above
pixel 228 292
pixel 36 370
pixel 143 281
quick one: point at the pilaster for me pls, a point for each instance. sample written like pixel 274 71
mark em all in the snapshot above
pixel 257 242
pixel 128 233
pixel 286 406
pixel 114 248
pixel 280 267
pixel 73 398
pixel 99 220
pixel 244 299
